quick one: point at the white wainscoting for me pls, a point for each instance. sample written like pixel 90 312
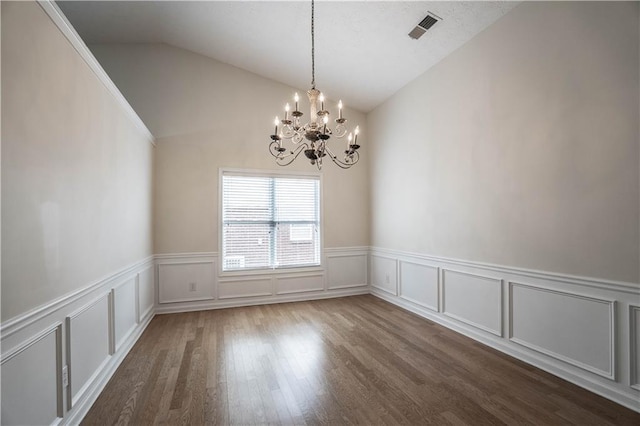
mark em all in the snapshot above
pixel 146 292
pixel 384 274
pixel 419 284
pixel 300 284
pixel 31 381
pixel 473 299
pixel 243 287
pixel 343 273
pixel 100 327
pixel 346 269
pixel 125 310
pixel 572 327
pixel 634 346
pixel 89 344
pixel 186 280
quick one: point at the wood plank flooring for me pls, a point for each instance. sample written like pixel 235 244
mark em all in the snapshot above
pixel 354 360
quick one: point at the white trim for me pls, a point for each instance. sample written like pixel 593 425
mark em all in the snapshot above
pixel 15 324
pixel 466 320
pixel 612 316
pixel 305 290
pixel 627 287
pixel 634 310
pixel 417 302
pixel 71 399
pixel 168 262
pixel 56 329
pixel 197 255
pixel 60 20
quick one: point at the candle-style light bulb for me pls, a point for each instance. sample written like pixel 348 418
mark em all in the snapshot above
pixel 340 108
pixel 286 111
pixel 280 141
pixel 349 141
pixel 296 98
pixel 325 120
pixel 275 132
pixel 356 131
pixel 321 102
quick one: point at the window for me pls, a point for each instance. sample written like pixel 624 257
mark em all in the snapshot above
pixel 270 221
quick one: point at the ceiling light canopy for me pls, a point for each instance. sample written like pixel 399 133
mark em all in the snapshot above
pixel 312 138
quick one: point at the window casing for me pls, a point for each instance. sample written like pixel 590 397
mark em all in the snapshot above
pixel 269 220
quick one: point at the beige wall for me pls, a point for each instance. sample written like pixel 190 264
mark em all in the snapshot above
pixel 76 171
pixel 206 115
pixel 520 148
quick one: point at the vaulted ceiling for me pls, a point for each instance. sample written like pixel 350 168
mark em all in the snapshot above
pixel 363 51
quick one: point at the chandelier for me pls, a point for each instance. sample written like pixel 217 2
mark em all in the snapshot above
pixel 312 137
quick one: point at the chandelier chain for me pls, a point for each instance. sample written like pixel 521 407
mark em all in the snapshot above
pixel 313 50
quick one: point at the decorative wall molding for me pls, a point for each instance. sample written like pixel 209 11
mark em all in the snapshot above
pixel 299 284
pixel 488 317
pixel 609 305
pixel 347 268
pixel 86 345
pixel 384 273
pixel 619 286
pixel 65 27
pixel 40 394
pixel 634 347
pixel 255 287
pixel 185 280
pixel 410 290
pixel 428 275
pixel 593 317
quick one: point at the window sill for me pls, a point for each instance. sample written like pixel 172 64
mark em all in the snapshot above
pixel 270 272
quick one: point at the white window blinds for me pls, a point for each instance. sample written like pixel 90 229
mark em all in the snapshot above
pixel 270 222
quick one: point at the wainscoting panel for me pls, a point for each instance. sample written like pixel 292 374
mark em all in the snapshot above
pixel 244 287
pixel 634 346
pixel 299 284
pixel 345 271
pixel 473 299
pixel 584 330
pixel 88 345
pixel 419 284
pixel 125 310
pixel 186 281
pixel 384 274
pixel 31 380
pixel 146 292
pixel 573 328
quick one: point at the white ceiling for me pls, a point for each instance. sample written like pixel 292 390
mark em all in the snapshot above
pixel 363 52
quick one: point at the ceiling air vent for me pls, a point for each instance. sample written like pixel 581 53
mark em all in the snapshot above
pixel 428 22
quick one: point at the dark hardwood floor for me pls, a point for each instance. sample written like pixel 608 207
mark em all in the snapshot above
pixel 340 361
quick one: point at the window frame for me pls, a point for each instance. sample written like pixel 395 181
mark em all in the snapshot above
pixel 268 174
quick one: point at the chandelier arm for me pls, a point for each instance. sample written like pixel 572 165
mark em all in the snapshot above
pixel 285 160
pixel 343 164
